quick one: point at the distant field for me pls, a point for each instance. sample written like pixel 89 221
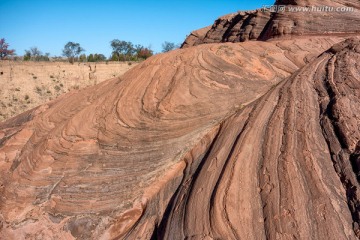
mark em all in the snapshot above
pixel 25 85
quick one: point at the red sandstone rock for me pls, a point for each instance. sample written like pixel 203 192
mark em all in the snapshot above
pixel 294 21
pixel 237 27
pixel 252 140
pixel 281 168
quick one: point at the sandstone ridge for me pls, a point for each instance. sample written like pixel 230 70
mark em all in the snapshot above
pixel 300 19
pixel 250 140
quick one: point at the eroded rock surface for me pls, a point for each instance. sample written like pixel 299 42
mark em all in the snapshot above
pixel 300 19
pixel 237 27
pixel 91 162
pixel 284 166
pixel 252 140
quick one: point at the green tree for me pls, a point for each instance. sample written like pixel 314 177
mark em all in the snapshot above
pixel 96 57
pixel 122 49
pixel 90 58
pixel 72 51
pixel 114 57
pixel 99 57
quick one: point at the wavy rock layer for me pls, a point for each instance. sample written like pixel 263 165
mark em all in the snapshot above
pixel 301 18
pixel 108 161
pixel 315 20
pixel 284 167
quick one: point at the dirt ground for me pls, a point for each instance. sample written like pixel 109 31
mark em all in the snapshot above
pixel 25 85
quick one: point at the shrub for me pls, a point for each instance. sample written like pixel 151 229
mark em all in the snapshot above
pixel 35 54
pixel 82 58
pixel 144 53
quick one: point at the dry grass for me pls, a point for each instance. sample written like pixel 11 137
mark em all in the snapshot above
pixel 25 85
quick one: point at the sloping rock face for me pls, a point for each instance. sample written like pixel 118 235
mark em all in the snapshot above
pixel 300 18
pixel 285 166
pixel 196 37
pixel 94 163
pixel 253 140
pixel 238 27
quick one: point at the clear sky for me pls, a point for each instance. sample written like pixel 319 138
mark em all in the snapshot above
pixel 50 24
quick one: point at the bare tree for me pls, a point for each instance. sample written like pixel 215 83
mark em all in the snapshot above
pixel 4 51
pixel 168 46
pixel 35 52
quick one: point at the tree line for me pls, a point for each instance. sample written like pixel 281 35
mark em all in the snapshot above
pixel 121 51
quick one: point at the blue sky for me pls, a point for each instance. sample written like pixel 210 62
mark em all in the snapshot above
pixel 50 24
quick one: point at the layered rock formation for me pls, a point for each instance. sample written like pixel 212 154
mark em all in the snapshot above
pixel 314 17
pixel 236 27
pixel 253 140
pixel 83 159
pixel 281 168
pixel 299 18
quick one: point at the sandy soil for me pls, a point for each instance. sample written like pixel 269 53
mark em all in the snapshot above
pixel 25 85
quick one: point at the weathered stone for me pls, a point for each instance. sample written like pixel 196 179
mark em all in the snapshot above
pixel 252 140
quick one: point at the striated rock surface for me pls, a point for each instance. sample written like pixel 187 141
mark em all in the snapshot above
pixel 92 164
pixel 237 27
pixel 196 37
pixel 300 18
pixel 253 140
pixel 314 17
pixel 284 167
